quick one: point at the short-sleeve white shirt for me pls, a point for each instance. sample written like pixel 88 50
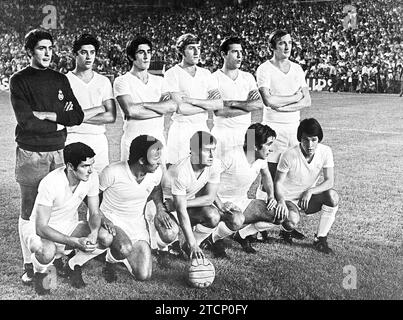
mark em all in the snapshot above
pixel 123 196
pixel 238 90
pixel 54 191
pixel 238 175
pixel 89 95
pixel 281 84
pixel 196 87
pixel 302 175
pixel 182 180
pixel 128 84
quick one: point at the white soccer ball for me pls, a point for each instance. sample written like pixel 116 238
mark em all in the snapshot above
pixel 201 273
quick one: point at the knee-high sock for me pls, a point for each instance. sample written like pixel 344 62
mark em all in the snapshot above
pixel 163 246
pixel 327 217
pixel 39 267
pixel 111 259
pixel 201 232
pixel 26 253
pixel 221 232
pixel 82 257
pixel 253 228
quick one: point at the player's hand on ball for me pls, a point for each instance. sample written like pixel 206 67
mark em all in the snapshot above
pixel 196 253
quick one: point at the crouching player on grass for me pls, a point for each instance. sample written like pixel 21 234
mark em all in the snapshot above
pixel 296 187
pixel 54 229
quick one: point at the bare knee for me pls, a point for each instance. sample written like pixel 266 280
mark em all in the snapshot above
pixel 332 198
pixel 105 239
pixel 45 251
pixel 122 250
pixel 168 235
pixel 211 217
pixel 235 222
pixel 292 221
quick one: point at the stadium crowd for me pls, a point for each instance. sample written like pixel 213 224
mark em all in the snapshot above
pixel 368 58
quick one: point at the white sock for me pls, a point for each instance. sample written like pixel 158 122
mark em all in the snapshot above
pixel 221 232
pixel 201 232
pixel 260 194
pixel 26 253
pixel 110 258
pixel 82 257
pixel 128 266
pixel 39 267
pixel 327 217
pixel 264 225
pixel 248 230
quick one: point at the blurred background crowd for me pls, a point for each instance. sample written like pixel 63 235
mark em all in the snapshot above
pixel 366 57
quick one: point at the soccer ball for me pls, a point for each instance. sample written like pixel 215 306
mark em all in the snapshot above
pixel 201 273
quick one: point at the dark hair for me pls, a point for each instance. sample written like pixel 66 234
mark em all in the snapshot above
pixel 139 148
pixel 83 40
pixel 224 46
pixel 76 152
pixel 132 46
pixel 34 36
pixel 185 40
pixel 311 128
pixel 201 138
pixel 275 36
pixel 258 134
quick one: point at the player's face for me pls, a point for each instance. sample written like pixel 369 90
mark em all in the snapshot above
pixel 265 150
pixel 309 144
pixel 84 169
pixel 154 156
pixel 143 57
pixel 233 59
pixel 283 47
pixel 85 57
pixel 206 154
pixel 42 54
pixel 191 54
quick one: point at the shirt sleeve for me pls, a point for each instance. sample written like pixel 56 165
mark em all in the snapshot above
pixel 284 164
pixel 251 82
pixel 171 81
pixel 46 193
pixel 105 178
pixel 107 90
pixel 215 172
pixel 179 185
pixel 71 114
pixel 94 185
pixel 301 77
pixel 121 87
pixel 328 161
pixel 263 77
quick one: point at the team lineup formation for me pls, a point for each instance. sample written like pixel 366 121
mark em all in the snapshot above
pixel 176 195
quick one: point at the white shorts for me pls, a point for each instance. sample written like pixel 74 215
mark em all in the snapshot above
pixel 179 135
pixel 228 138
pixel 242 203
pixel 135 229
pixel 127 139
pixel 98 142
pixel 286 138
pixel 29 234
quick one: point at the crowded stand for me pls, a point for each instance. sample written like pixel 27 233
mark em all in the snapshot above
pixel 365 58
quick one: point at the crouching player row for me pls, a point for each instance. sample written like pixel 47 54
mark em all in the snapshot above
pixel 296 187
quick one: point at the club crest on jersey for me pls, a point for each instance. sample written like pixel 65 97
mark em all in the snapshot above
pixel 60 95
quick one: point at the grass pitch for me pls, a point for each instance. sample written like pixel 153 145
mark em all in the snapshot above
pixel 366 135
